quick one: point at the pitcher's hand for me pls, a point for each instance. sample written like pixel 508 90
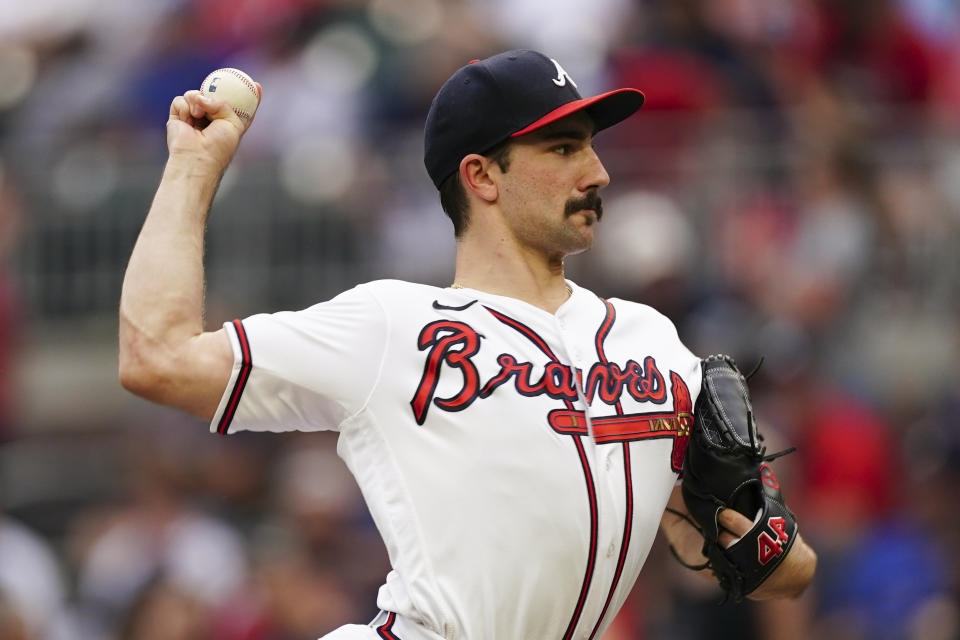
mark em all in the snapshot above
pixel 204 131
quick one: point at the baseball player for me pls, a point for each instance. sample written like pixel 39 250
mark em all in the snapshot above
pixel 515 436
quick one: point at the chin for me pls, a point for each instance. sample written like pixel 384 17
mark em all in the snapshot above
pixel 585 244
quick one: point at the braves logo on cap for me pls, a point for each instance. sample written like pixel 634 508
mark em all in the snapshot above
pixel 562 76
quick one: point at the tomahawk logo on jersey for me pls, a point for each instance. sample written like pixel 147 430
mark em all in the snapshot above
pixel 451 345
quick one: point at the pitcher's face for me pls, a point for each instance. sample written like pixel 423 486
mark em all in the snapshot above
pixel 549 195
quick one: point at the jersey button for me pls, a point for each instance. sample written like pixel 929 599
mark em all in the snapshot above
pixel 611 550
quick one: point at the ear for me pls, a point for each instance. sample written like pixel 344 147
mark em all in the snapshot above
pixel 476 178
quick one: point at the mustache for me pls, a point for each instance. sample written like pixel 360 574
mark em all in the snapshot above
pixel 590 201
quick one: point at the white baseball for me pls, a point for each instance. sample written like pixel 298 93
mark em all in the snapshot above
pixel 236 88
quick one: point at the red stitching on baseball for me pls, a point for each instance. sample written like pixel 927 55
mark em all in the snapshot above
pixel 244 79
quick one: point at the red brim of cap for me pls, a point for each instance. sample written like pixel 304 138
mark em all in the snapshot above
pixel 605 109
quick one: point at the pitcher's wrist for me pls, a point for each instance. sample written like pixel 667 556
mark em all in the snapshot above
pixel 192 166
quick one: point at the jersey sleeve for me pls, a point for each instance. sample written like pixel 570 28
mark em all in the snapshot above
pixel 304 370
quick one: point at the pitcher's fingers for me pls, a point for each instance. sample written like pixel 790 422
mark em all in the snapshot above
pixel 206 106
pixel 734 521
pixel 198 109
pixel 726 538
pixel 733 525
pixel 180 109
pixel 217 109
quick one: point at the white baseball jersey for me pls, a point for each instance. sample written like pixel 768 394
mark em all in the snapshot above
pixel 516 462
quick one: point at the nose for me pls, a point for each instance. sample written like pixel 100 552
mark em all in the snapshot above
pixel 595 176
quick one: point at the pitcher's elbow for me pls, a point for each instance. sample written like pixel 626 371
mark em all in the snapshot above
pixel 139 374
pixel 132 376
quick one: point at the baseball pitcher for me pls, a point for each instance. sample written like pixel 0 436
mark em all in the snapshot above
pixel 517 438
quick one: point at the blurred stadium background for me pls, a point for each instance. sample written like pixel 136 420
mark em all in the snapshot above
pixel 791 190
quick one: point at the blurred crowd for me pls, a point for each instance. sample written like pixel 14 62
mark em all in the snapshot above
pixel 790 191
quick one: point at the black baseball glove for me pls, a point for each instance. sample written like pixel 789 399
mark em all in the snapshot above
pixel 725 467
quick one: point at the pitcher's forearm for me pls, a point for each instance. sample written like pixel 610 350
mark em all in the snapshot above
pixel 161 305
pixel 165 356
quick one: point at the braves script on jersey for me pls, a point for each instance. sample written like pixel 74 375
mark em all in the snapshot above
pixel 516 462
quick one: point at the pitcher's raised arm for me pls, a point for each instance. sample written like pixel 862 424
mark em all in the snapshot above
pixel 165 356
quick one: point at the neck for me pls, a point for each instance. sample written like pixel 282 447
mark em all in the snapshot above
pixel 495 265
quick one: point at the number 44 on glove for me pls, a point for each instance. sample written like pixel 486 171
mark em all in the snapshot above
pixel 726 468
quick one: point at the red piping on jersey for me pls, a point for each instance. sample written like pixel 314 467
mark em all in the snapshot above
pixel 541 344
pixel 602 333
pixel 625 542
pixel 628 481
pixel 245 367
pixel 592 558
pixel 386 629
pixel 528 333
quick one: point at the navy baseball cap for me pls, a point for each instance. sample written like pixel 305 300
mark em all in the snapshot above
pixel 504 96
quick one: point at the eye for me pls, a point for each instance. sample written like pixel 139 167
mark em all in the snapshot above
pixel 563 149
